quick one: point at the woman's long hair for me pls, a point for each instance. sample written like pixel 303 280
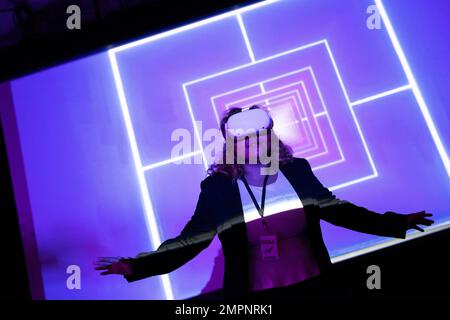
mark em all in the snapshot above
pixel 236 170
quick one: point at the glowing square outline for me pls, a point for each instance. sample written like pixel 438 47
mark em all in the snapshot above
pixel 310 142
pixel 288 93
pixel 291 101
pixel 140 169
pixel 296 121
pixel 262 82
pixel 315 115
pixel 302 149
pixel 286 74
pixel 297 96
pixel 287 52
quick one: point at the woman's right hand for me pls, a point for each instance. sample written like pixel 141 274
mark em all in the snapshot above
pixel 113 265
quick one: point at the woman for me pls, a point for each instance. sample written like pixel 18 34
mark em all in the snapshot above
pixel 272 246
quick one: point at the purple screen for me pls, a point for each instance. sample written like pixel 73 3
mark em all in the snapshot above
pixel 91 151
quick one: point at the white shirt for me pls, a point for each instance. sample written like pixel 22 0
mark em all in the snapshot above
pixel 280 196
pixel 285 219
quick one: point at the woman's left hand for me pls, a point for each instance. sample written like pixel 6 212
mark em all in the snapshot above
pixel 413 219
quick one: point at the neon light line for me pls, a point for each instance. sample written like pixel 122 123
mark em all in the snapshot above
pixel 300 100
pixel 171 160
pixel 256 62
pixel 415 88
pixel 381 95
pixel 352 182
pixel 149 214
pixel 194 25
pixel 244 34
pixel 388 243
pixel 326 111
pixel 309 144
pixel 197 133
pixel 352 112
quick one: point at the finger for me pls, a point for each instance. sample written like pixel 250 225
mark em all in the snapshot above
pixel 423 214
pixel 419 228
pixel 106 260
pixel 103 263
pixel 426 222
pixel 102 268
pixel 420 214
pixel 105 273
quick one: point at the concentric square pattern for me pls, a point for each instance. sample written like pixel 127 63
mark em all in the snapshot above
pixel 236 60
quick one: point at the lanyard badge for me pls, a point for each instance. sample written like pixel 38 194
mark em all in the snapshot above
pixel 269 247
pixel 268 242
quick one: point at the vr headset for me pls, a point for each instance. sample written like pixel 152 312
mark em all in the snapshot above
pixel 248 122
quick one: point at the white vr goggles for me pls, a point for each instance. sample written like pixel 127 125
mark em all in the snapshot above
pixel 247 123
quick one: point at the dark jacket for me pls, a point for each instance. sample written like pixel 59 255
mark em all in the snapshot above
pixel 219 211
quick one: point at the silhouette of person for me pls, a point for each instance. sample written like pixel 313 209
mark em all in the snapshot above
pixel 270 245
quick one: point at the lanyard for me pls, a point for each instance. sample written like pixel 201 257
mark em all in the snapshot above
pixel 263 198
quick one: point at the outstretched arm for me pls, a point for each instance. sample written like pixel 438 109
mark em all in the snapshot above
pixel 197 234
pixel 348 215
